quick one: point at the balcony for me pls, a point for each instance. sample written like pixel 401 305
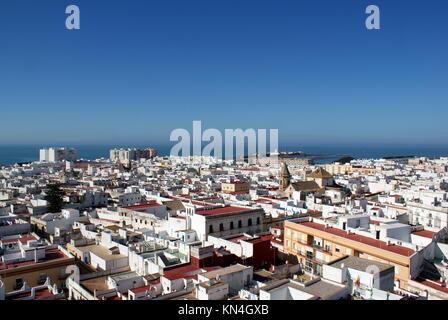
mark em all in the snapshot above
pixel 315 246
pixel 311 258
pixel 318 247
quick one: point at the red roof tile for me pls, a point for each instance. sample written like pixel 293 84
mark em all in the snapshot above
pixel 425 233
pixel 50 255
pixel 363 239
pixel 220 210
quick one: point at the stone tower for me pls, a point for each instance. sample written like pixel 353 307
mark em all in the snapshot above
pixel 285 177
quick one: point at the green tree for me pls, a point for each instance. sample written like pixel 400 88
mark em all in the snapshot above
pixel 54 196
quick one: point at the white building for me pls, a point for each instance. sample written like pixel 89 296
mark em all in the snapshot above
pixel 57 154
pixel 428 215
pixel 126 155
pixel 223 220
pixel 237 277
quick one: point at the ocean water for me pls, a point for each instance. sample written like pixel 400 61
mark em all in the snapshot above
pixel 10 154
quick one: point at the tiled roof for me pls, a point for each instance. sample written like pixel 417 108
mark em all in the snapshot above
pixel 425 233
pixel 221 210
pixel 362 239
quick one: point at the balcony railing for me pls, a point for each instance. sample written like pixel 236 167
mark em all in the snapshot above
pixel 315 246
pixel 311 258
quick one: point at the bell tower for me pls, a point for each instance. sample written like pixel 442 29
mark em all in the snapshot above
pixel 285 177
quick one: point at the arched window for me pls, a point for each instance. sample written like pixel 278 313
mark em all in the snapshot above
pixel 249 222
pixel 221 227
pixel 240 224
pixel 210 229
pixel 231 225
pixel 258 220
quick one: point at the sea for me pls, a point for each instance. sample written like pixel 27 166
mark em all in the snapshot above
pixel 11 154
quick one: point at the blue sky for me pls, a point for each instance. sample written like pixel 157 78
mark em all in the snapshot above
pixel 138 69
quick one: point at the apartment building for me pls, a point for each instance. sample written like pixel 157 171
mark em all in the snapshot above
pixel 57 154
pixel 126 155
pixel 314 243
pixel 427 215
pixel 31 263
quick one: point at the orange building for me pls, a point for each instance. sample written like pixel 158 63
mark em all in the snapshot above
pixel 314 244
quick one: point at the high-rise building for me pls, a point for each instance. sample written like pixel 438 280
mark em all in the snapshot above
pixel 126 155
pixel 57 154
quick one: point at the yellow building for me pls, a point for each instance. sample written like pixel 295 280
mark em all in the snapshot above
pixel 235 187
pixel 314 244
pixel 335 168
pixel 34 273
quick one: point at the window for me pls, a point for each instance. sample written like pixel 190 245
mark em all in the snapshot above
pixel 231 225
pixel 221 227
pixel 249 222
pixel 210 229
pixel 309 266
pixel 19 283
pixel 240 224
pixel 258 220
pixel 42 278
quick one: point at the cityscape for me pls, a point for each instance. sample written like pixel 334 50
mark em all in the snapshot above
pixel 206 159
pixel 139 226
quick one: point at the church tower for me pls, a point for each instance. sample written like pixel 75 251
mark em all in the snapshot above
pixel 285 177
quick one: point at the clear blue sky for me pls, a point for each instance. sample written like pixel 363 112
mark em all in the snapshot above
pixel 138 69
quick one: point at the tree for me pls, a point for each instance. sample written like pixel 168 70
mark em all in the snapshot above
pixel 54 196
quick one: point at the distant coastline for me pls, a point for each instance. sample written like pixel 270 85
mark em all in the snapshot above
pixel 11 154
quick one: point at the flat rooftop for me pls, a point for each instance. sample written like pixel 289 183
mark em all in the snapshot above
pixel 319 288
pixel 101 252
pixel 124 276
pixel 93 284
pixel 223 271
pixel 359 264
pixel 211 283
pixel 50 255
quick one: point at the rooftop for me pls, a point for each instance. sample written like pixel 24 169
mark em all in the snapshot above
pixel 223 271
pixel 425 233
pixel 359 264
pixel 400 250
pixel 220 210
pixel 50 255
